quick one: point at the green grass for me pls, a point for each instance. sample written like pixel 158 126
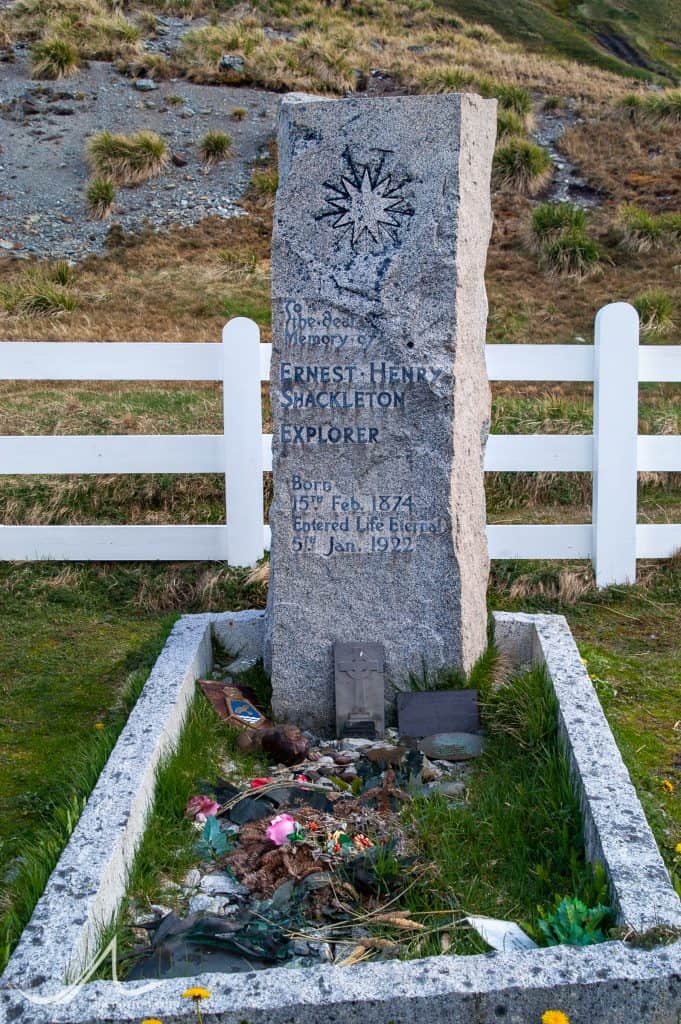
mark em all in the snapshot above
pixel 76 644
pixel 549 220
pixel 516 842
pixel 127 159
pixel 572 254
pixel 100 195
pixel 569 30
pixel 54 58
pixel 215 146
pixel 38 294
pixel 521 166
pixel 656 311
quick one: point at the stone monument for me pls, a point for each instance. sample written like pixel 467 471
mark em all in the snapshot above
pixel 380 399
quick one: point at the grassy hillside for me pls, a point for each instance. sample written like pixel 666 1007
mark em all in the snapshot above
pixel 631 37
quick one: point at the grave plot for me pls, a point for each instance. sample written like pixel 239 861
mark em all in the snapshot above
pixel 358 849
pixel 66 931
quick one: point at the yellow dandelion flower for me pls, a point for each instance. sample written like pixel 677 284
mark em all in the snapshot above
pixel 669 786
pixel 554 1017
pixel 99 725
pixel 152 1020
pixel 677 848
pixel 196 993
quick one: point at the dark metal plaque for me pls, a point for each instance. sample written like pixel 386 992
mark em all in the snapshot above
pixel 360 689
pixel 423 714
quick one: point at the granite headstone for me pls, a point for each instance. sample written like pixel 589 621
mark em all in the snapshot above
pixel 380 399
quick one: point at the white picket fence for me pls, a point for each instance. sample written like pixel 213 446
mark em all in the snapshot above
pixel 614 454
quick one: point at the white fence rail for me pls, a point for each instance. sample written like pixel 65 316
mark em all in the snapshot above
pixel 614 454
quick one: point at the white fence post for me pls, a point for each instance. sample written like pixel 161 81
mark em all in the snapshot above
pixel 615 444
pixel 243 442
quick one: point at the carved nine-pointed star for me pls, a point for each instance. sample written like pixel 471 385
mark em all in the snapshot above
pixel 366 206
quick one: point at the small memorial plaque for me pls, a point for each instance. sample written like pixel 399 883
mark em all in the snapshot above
pixel 360 696
pixel 422 714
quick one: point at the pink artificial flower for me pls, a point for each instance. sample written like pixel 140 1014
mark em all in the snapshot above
pixel 280 829
pixel 201 807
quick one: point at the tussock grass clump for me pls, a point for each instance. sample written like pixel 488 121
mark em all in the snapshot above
pixel 215 146
pixel 549 220
pixel 521 166
pixel 664 106
pixel 127 159
pixel 263 185
pixel 146 65
pixel 62 273
pixel 515 98
pixel 642 231
pixel 37 294
pixel 656 311
pixel 552 103
pixel 509 123
pixel 6 38
pixel 238 114
pixel 54 58
pixel 658 106
pixel 99 197
pixel 202 49
pixel 89 26
pixel 572 254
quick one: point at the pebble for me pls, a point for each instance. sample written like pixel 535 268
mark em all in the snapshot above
pixel 222 884
pixel 356 743
pixel 429 772
pixel 235 668
pixel 203 903
pixel 232 62
pixel 145 85
pixel 192 879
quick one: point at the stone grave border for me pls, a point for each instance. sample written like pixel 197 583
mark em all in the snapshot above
pixel 608 982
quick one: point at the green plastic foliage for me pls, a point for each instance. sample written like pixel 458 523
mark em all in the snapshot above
pixel 572 923
pixel 214 842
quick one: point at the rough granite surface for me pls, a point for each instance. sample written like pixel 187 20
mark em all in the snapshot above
pixel 379 392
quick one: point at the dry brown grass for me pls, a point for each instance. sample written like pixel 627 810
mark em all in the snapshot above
pixel 91 26
pixel 632 161
pixel 421 46
pixel 566 587
pixel 127 159
pixel 6 37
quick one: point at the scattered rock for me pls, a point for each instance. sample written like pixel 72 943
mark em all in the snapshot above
pixel 192 879
pixel 235 668
pixel 203 903
pixel 449 789
pixel 232 62
pixel 222 884
pixel 357 743
pixel 452 746
pixel 429 771
pixel 285 743
pixel 386 752
pixel 145 85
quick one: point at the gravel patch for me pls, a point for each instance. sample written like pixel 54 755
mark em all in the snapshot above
pixel 44 127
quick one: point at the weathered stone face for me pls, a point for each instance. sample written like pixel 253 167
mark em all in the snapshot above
pixel 380 398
